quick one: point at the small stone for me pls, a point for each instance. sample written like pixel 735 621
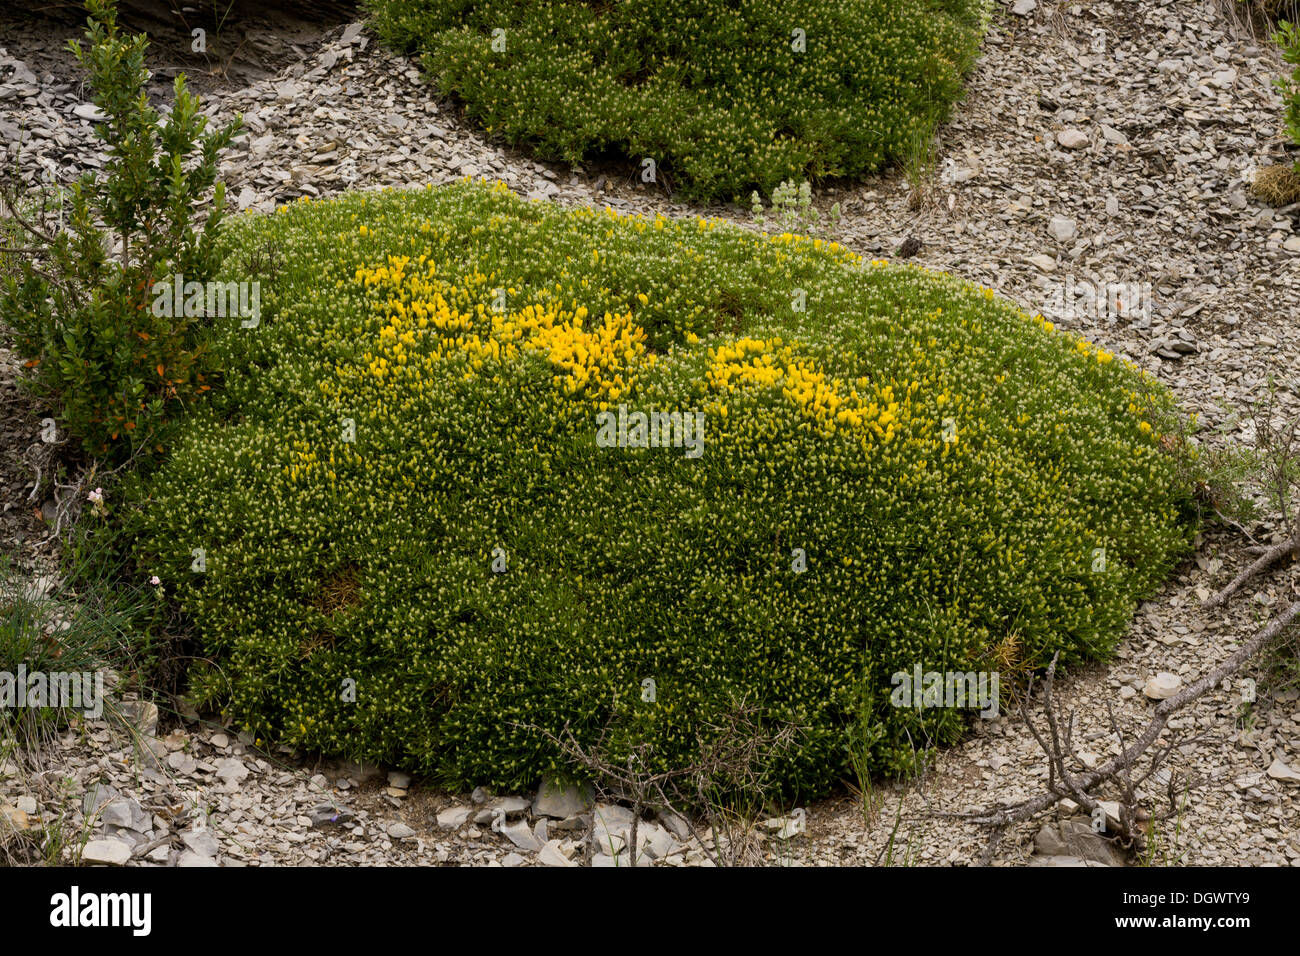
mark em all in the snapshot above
pixel 453 818
pixel 106 852
pixel 97 796
pixel 513 806
pixel 1061 228
pixel 1044 262
pixel 1162 686
pixel 183 763
pixel 400 831
pixel 201 841
pixel 402 781
pixel 1113 136
pixel 552 855
pixel 326 813
pixel 1279 770
pixel 1072 138
pixel 676 824
pixel 190 859
pixel 1023 8
pixel 232 770
pixel 118 814
pixel 89 111
pixel 1075 838
pixel 656 841
pixel 521 836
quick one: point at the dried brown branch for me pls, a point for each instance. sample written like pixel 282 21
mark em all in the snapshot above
pixel 731 752
pixel 1002 817
pixel 1269 557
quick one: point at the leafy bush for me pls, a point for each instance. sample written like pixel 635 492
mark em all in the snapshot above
pixel 83 318
pixel 1289 39
pixel 948 465
pixel 723 96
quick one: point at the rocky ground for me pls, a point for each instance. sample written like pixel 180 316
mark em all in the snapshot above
pixel 1099 142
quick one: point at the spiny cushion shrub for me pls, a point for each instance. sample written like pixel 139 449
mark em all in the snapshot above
pixel 404 488
pixel 724 96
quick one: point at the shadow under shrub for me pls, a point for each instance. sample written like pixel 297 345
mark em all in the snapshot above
pixel 725 97
pixel 949 466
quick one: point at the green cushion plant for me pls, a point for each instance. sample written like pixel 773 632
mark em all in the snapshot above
pixel 723 97
pixel 415 542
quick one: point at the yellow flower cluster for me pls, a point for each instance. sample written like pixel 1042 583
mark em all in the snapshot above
pixel 829 402
pixel 598 359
